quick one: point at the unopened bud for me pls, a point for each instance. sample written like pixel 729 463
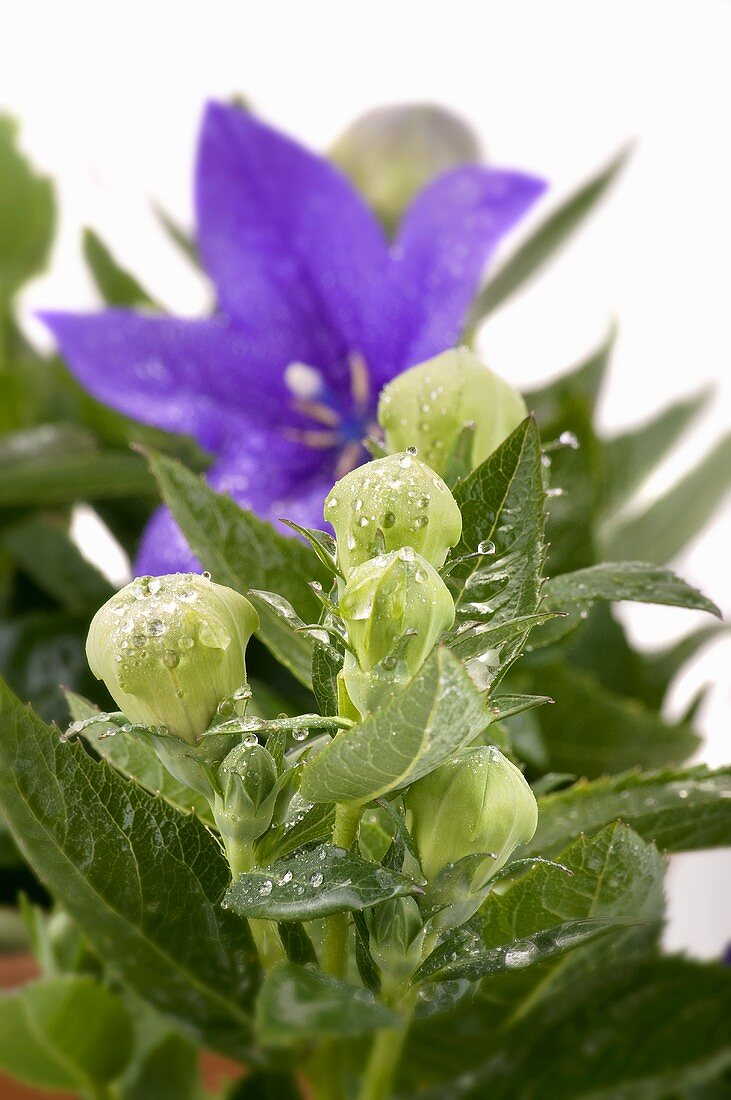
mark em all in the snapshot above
pixel 390 153
pixel 467 818
pixel 430 405
pixel 396 930
pixel 395 607
pixel 171 648
pixel 391 503
pixel 248 782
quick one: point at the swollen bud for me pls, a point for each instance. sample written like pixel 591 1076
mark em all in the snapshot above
pixel 429 406
pixel 391 503
pixel 390 153
pixel 171 648
pixel 395 607
pixel 467 818
pixel 244 804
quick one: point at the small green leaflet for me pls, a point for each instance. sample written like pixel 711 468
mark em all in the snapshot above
pixel 438 712
pixel 315 883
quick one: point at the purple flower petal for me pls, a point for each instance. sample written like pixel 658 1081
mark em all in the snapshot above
pixel 290 244
pixel 163 549
pixel 196 377
pixel 446 238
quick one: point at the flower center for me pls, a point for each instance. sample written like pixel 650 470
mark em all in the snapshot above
pixel 332 425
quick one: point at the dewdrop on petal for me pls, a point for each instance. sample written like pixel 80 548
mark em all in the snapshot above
pixel 171 648
pixel 392 503
pixel 430 405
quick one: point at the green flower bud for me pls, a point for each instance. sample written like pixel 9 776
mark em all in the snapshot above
pixel 467 818
pixel 396 936
pixel 390 595
pixel 429 406
pixel 171 648
pixel 394 607
pixel 391 152
pixel 390 503
pixel 244 805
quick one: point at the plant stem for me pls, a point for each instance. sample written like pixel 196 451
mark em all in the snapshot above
pixel 334 950
pixel 382 1063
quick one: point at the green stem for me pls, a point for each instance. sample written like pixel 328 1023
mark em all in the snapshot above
pixel 263 932
pixel 335 945
pixel 382 1063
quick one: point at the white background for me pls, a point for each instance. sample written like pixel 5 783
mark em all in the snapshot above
pixel 110 96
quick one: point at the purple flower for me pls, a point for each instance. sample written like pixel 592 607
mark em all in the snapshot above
pixel 316 311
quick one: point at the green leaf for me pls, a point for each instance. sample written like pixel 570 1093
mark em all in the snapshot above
pixel 27 215
pixel 244 552
pixel 449 963
pixel 137 760
pixel 326 663
pixel 592 730
pixel 680 810
pixel 590 1049
pixel 438 712
pixel 544 242
pixel 637 581
pixel 297 1004
pixel 64 1033
pixel 631 457
pixel 315 883
pixel 565 410
pixel 660 531
pixel 615 875
pixel 264 1085
pixel 64 479
pixel 116 286
pixel 660 668
pixel 477 639
pixel 120 861
pixel 44 551
pixel 163 1065
pixel 183 240
pixel 502 504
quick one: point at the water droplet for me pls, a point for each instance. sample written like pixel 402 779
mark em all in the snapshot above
pixel 170 658
pixel 299 734
pixel 317 880
pixel 206 575
pixel 266 888
pixel 545 461
pixel 407 553
pixel 405 461
pixel 420 521
pixel 350 540
pixel 139 640
pixel 555 492
pixel 250 740
pixel 388 519
pixel 362 521
pixel 422 502
pixel 156 627
pixel 186 642
pixel 286 877
pixel 568 439
pixel 225 707
pixel 487 546
pixel 357 504
pixel 332 502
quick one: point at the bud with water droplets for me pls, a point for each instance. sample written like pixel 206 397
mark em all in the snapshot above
pixel 390 503
pixel 390 153
pixel 467 817
pixel 245 801
pixel 430 405
pixel 171 648
pixel 395 607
